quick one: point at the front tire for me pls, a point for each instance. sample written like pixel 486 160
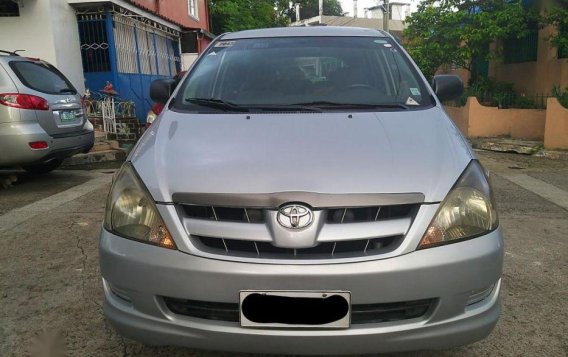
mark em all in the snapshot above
pixel 43 168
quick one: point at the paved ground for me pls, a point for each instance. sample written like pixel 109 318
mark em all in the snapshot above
pixel 50 287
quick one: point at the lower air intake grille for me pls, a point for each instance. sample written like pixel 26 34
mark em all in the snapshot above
pixel 324 250
pixel 360 314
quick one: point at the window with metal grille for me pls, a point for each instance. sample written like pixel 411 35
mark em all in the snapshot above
pixel 563 47
pixel 9 9
pixel 563 52
pixel 192 8
pixel 94 43
pixel 524 49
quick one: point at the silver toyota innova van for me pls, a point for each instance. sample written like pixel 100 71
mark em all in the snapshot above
pixel 303 192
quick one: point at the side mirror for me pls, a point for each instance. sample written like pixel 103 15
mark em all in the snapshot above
pixel 161 90
pixel 447 87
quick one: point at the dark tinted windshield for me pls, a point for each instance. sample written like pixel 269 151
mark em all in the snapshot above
pixel 42 77
pixel 318 71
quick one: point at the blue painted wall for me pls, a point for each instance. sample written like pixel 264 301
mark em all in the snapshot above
pixel 130 86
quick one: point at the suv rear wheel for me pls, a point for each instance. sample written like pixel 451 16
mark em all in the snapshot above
pixel 44 167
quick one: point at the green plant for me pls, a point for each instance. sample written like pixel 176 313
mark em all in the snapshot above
pixel 493 93
pixel 561 95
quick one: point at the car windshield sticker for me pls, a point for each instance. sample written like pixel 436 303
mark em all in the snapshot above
pixel 411 101
pixel 224 43
pixel 415 91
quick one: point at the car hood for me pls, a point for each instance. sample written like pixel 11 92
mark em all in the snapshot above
pixel 383 152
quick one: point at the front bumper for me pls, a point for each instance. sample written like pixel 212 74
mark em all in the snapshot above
pixel 451 273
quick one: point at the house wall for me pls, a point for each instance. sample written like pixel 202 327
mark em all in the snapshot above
pixel 535 77
pixel 399 12
pixel 177 11
pixel 46 29
pixel 556 131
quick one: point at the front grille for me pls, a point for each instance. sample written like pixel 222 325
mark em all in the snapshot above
pixel 360 314
pixel 368 214
pixel 229 214
pixel 324 250
pixel 248 232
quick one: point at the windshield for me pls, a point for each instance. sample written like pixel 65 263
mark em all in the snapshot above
pixel 303 72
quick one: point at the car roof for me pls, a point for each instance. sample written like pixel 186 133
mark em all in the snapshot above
pixel 300 31
pixel 6 57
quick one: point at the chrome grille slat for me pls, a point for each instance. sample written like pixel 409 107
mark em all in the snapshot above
pixel 325 250
pixel 366 246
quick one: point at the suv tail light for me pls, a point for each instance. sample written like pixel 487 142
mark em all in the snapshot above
pixel 23 101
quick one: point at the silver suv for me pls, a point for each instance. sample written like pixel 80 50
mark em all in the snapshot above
pixel 41 116
pixel 303 192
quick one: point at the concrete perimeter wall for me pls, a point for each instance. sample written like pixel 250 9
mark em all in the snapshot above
pixel 550 125
pixel 556 131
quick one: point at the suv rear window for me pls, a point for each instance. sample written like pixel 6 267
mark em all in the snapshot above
pixel 42 77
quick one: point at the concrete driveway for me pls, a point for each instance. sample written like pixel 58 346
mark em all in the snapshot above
pixel 51 294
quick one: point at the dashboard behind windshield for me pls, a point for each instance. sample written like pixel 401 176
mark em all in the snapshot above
pixel 325 72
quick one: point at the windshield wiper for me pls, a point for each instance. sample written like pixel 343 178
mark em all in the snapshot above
pixel 217 103
pixel 326 104
pixel 284 107
pixel 221 104
pixel 67 90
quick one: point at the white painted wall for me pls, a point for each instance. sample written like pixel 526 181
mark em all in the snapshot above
pixel 67 43
pixel 187 60
pixel 46 29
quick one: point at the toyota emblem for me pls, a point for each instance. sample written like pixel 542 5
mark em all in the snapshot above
pixel 295 216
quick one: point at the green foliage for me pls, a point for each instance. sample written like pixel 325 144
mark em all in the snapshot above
pixel 452 32
pixel 493 93
pixel 557 16
pixel 236 15
pixel 561 95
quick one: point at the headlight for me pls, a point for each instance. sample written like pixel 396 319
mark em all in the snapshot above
pixel 132 213
pixel 467 212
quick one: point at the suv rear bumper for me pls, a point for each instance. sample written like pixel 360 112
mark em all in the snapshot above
pixel 142 274
pixel 16 136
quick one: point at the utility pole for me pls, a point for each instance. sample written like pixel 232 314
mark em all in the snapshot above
pixel 386 15
pixel 354 8
pixel 320 12
pixel 297 11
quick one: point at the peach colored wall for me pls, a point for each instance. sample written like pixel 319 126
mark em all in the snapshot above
pixel 476 120
pixel 556 132
pixel 460 117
